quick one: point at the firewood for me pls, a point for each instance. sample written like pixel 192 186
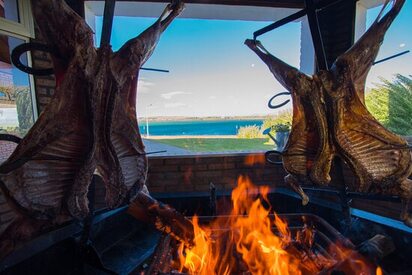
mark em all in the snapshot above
pixel 162 216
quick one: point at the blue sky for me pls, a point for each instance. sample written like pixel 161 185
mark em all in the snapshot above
pixel 212 73
pixel 397 39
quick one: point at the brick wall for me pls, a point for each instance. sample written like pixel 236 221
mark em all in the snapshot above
pixel 195 173
pixel 44 85
pixel 173 176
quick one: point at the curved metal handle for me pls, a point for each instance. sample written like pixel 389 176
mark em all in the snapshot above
pixel 19 50
pixel 12 138
pixel 273 152
pixel 279 105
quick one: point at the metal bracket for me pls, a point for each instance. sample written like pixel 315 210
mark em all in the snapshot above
pixel 212 199
pixel 310 10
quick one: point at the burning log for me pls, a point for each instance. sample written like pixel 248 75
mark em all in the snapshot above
pixel 330 119
pixel 164 217
pixel 89 127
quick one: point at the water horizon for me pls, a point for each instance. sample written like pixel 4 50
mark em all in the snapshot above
pixel 196 127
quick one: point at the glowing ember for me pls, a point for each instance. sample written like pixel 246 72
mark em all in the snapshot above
pixel 251 241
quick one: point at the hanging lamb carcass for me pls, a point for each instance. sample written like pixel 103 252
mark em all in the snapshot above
pixel 330 119
pixel 89 127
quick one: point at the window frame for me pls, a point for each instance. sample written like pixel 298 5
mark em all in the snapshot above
pixel 26 26
pixel 24 31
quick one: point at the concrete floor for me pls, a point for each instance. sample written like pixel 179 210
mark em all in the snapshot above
pixel 153 146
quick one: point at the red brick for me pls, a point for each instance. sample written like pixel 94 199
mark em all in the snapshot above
pixel 155 161
pixel 208 174
pixel 43 64
pixel 163 168
pixel 155 176
pixel 207 160
pixel 45 82
pixel 194 167
pixel 221 166
pixel 180 161
pixel 177 176
pixel 180 188
pixel 44 100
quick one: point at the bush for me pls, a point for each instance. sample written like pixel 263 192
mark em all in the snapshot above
pixel 280 122
pixel 249 132
pixel 284 117
pixel 282 127
pixel 391 104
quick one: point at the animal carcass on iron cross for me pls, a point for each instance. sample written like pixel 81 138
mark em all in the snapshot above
pixel 89 126
pixel 330 119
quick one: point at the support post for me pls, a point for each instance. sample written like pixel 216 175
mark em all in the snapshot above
pixel 108 15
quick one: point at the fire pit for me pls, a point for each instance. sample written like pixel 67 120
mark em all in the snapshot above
pixel 328 247
pixel 260 242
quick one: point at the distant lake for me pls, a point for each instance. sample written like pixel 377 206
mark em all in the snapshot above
pixel 196 127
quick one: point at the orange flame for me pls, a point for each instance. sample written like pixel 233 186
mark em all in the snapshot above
pixel 249 233
pixel 255 159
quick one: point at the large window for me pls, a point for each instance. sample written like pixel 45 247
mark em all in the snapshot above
pixel 17 111
pixel 389 83
pixel 214 99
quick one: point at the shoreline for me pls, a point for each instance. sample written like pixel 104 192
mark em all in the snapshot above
pixel 178 119
pixel 188 136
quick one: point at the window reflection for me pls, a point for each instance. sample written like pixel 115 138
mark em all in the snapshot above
pixel 16 109
pixel 389 84
pixel 9 10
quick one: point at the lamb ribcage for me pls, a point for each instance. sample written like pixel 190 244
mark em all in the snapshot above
pixel 128 158
pixel 375 154
pixel 41 184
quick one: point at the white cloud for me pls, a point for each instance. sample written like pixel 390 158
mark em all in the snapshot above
pixel 175 105
pixel 212 97
pixel 172 94
pixel 402 45
pixel 143 86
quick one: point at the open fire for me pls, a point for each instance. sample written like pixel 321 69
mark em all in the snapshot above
pixel 253 239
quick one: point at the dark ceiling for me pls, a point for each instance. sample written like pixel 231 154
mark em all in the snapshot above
pixel 261 3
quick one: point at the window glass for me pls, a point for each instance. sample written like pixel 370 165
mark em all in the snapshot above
pixel 9 10
pixel 16 109
pixel 215 97
pixel 389 83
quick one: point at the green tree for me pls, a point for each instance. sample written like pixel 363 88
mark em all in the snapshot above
pixel 391 104
pixel 21 96
pixel 9 92
pixel 24 109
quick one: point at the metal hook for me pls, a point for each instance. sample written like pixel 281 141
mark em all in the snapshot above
pixel 19 50
pixel 268 154
pixel 279 105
